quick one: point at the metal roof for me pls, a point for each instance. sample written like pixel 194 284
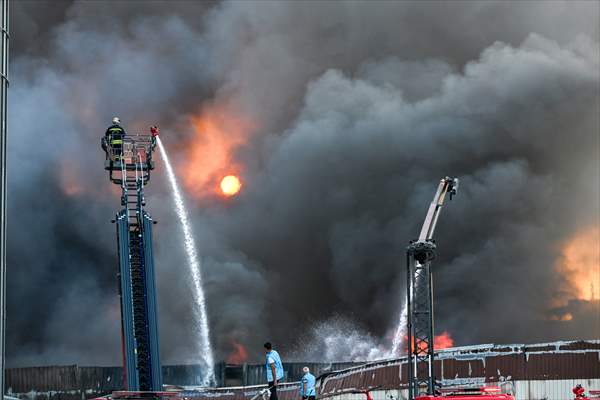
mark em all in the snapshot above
pixel 460 365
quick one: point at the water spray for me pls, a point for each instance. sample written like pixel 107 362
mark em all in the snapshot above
pixel 401 332
pixel 201 323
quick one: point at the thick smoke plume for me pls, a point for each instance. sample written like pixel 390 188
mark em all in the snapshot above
pixel 357 109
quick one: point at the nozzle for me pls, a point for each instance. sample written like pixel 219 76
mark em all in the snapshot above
pixel 453 187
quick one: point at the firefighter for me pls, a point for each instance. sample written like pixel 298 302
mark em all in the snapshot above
pixel 114 138
pixel 154 134
pixel 274 369
pixel 579 392
pixel 307 385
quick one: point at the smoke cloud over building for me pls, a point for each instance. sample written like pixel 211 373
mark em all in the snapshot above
pixel 339 119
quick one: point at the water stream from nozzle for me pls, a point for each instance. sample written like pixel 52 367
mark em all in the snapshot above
pixel 401 335
pixel 201 323
pixel 401 332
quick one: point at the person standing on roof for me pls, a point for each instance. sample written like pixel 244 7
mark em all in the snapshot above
pixel 308 385
pixel 114 137
pixel 274 369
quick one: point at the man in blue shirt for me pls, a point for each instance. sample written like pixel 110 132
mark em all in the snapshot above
pixel 308 385
pixel 274 369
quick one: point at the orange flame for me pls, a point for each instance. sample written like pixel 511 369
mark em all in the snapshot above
pixel 72 183
pixel 441 341
pixel 69 180
pixel 219 131
pixel 562 317
pixel 579 266
pixel 238 355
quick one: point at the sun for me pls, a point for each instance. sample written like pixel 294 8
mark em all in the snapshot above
pixel 230 185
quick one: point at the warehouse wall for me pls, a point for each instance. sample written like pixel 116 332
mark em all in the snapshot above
pixel 552 389
pixel 255 374
pixel 523 390
pixel 62 382
pixel 534 372
pixel 546 371
pixel 72 381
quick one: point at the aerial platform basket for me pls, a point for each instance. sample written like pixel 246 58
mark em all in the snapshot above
pixel 134 156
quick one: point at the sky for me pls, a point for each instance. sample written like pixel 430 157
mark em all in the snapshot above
pixel 339 118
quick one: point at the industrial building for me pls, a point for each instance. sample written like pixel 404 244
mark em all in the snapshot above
pixel 531 371
pixel 545 371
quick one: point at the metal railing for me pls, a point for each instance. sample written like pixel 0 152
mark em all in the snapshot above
pixel 130 160
pixel 134 149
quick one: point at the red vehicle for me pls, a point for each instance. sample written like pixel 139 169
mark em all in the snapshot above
pixel 579 392
pixel 478 393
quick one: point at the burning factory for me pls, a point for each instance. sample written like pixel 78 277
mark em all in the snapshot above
pixel 306 154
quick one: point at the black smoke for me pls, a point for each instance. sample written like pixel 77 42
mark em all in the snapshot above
pixel 362 108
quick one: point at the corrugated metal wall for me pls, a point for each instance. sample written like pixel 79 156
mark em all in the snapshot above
pixel 71 381
pixel 481 364
pixel 255 374
pixel 67 379
pixel 551 389
pixel 546 371
pixel 532 372
pixel 523 390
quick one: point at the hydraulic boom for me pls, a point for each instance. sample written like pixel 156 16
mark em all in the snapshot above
pixel 419 255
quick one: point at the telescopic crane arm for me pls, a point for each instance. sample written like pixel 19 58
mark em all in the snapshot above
pixel 419 297
pixel 446 186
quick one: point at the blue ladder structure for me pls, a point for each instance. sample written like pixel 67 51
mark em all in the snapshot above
pixel 129 167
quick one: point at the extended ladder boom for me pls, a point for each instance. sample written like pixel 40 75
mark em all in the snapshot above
pixel 129 166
